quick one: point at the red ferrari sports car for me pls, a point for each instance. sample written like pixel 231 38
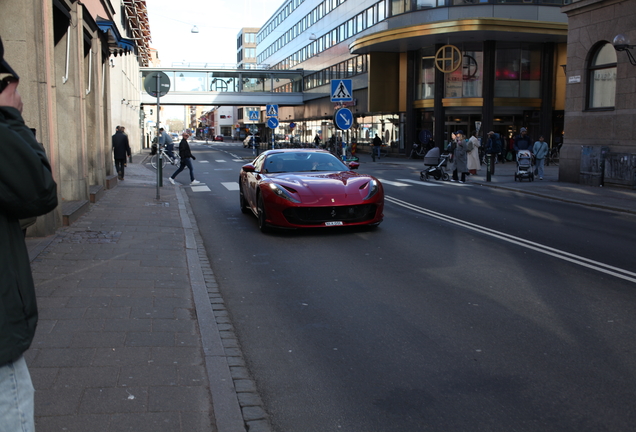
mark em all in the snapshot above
pixel 298 188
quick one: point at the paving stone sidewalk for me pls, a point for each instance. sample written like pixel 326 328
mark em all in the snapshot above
pixel 133 334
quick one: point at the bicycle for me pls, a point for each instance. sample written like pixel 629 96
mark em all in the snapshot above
pixel 165 159
pixel 417 151
pixel 553 155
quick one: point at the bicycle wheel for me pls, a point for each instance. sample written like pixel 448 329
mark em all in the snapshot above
pixel 153 161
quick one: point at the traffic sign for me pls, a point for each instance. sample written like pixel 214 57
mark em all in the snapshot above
pixel 425 136
pixel 343 118
pixel 150 84
pixel 253 115
pixel 292 125
pixel 272 122
pixel 341 90
pixel 271 110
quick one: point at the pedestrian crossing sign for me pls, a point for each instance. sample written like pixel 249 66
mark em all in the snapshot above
pixel 253 115
pixel 272 110
pixel 341 90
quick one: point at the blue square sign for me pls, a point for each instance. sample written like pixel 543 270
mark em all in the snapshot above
pixel 341 90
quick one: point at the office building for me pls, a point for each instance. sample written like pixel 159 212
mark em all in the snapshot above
pixel 422 69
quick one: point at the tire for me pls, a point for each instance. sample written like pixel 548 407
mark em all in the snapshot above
pixel 446 177
pixel 242 201
pixel 262 225
pixel 423 176
pixel 153 161
pixel 437 177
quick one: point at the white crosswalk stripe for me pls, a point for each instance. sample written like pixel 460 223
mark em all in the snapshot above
pixel 393 183
pixel 420 182
pixel 231 186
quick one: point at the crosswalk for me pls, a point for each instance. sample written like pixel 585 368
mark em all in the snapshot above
pixel 224 164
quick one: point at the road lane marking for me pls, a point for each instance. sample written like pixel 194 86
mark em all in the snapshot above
pixel 220 160
pixel 420 182
pixel 231 186
pixel 200 189
pixel 204 161
pixel 393 183
pixel 537 247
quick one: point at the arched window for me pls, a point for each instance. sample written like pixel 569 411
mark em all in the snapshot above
pixel 602 77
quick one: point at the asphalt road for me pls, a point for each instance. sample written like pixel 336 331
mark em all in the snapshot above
pixel 468 309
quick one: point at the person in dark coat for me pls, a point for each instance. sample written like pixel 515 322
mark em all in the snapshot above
pixel 460 157
pixel 186 161
pixel 121 150
pixel 523 141
pixel 27 190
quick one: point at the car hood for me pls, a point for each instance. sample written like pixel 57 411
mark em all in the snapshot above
pixel 324 188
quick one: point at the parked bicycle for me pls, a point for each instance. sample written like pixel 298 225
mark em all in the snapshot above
pixel 553 155
pixel 165 157
pixel 417 151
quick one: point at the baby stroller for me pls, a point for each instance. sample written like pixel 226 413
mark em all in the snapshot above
pixel 434 164
pixel 525 168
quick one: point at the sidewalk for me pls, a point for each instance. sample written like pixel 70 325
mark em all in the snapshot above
pixel 133 334
pixel 610 198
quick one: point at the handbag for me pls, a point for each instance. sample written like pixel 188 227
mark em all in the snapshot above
pixel 509 156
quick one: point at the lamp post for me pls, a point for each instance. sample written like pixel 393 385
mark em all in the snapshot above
pixel 621 43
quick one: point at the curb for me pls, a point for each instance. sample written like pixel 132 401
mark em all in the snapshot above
pixel 236 402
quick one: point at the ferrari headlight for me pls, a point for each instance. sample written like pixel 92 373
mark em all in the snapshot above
pixel 373 188
pixel 282 193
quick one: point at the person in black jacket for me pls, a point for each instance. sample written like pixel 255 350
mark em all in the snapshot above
pixel 27 189
pixel 121 150
pixel 186 161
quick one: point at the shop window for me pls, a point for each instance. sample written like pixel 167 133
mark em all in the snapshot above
pixel 518 72
pixel 602 77
pixel 427 84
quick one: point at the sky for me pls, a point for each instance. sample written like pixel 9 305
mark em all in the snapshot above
pixel 218 21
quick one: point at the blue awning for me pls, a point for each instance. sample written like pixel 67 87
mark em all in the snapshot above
pixel 114 38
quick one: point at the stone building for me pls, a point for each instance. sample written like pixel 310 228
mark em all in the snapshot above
pixel 600 114
pixel 77 62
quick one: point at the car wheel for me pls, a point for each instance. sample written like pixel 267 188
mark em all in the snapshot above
pixel 243 201
pixel 261 215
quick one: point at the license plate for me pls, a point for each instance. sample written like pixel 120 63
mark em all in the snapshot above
pixel 334 223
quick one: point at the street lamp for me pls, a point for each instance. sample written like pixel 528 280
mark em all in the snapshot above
pixel 621 43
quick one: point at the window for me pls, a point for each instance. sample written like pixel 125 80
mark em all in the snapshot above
pixel 602 77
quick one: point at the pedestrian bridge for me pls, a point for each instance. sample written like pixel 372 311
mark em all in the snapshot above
pixel 235 87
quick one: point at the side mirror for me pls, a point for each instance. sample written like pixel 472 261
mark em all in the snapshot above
pixel 248 168
pixel 354 165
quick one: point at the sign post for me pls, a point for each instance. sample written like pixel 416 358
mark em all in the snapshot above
pixel 158 84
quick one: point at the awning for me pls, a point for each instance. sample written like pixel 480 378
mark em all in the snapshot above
pixel 115 41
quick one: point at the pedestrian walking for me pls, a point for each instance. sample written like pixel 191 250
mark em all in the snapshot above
pixel 186 161
pixel 540 151
pixel 460 157
pixel 473 145
pixel 121 150
pixel 377 145
pixel 27 190
pixel 317 141
pixel 522 141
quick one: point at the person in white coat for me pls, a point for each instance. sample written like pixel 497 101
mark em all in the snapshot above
pixel 474 164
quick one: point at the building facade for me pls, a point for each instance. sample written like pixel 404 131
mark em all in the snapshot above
pixel 600 114
pixel 66 53
pixel 422 69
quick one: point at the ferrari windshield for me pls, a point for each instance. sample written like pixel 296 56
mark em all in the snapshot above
pixel 302 161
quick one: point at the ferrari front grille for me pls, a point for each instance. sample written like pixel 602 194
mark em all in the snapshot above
pixel 320 215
